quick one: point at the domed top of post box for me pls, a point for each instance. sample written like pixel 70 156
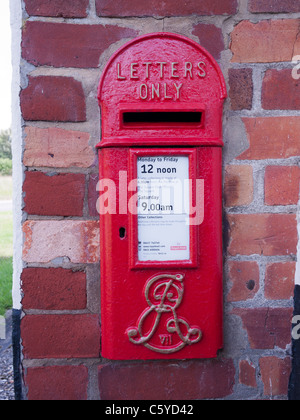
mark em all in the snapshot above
pixel 161 89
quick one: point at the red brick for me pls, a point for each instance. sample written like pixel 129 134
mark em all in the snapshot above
pixel 275 375
pixel 57 195
pixel 57 148
pixel 266 41
pixel 69 45
pixel 238 187
pixel 274 6
pixel 282 185
pixel 167 381
pixel 280 90
pixel 93 195
pixel 241 88
pixel 244 276
pixel 53 289
pixel 247 374
pixel 280 280
pixel 57 8
pixel 267 328
pixel 272 138
pixel 53 98
pixel 262 234
pixel 122 8
pixel 60 336
pixel 56 383
pixel 46 240
pixel 211 38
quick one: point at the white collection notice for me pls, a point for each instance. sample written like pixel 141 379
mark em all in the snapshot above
pixel 163 208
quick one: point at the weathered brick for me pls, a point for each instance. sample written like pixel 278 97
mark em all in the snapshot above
pixel 244 276
pixel 211 38
pixel 275 374
pixel 262 234
pixel 167 381
pixel 280 280
pixel 57 148
pixel 54 195
pixel 53 289
pixel 280 90
pixel 69 45
pixel 282 185
pixel 57 8
pixel 93 195
pixel 76 240
pixel 53 98
pixel 266 41
pixel 121 8
pixel 272 138
pixel 267 328
pixel 238 187
pixel 60 336
pixel 241 88
pixel 274 6
pixel 247 374
pixel 56 383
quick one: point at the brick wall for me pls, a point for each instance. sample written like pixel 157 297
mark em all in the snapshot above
pixel 65 45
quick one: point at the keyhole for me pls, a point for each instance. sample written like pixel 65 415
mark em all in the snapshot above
pixel 122 232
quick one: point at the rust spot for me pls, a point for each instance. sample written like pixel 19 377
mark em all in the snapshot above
pixel 91 247
pixel 27 229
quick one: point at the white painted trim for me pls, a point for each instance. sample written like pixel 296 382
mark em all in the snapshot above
pixel 297 276
pixel 17 142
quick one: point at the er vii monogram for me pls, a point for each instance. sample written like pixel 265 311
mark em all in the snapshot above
pixel 159 327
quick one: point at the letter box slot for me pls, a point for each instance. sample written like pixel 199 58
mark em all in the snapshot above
pixel 160 161
pixel 162 119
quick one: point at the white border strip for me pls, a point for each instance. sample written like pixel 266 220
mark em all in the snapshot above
pixel 297 275
pixel 16 25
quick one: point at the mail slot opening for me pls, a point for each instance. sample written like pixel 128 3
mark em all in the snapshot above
pixel 163 118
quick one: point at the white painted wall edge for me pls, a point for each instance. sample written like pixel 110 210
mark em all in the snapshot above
pixel 17 146
pixel 297 276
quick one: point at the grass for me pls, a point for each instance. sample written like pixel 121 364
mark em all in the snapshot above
pixel 6 235
pixel 5 187
pixel 6 247
pixel 5 284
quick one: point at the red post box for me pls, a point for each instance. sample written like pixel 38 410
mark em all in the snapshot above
pixel 160 203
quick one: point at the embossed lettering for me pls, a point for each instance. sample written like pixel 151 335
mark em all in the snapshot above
pixel 165 71
pixel 165 91
pixel 162 65
pixel 164 294
pixel 160 91
pixel 143 91
pixel 174 72
pixel 156 91
pixel 120 77
pixel 178 90
pixel 165 339
pixel 133 71
pixel 147 65
pixel 188 69
pixel 202 72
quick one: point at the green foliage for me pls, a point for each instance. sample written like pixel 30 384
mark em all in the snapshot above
pixel 5 144
pixel 6 251
pixel 6 272
pixel 5 166
pixel 6 235
pixel 5 153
